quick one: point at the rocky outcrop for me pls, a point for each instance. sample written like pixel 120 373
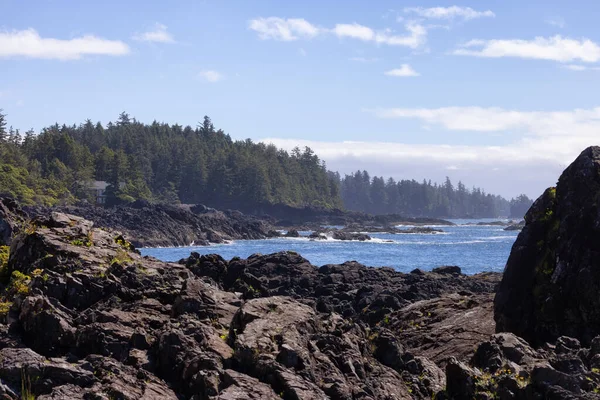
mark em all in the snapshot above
pixel 85 315
pixel 507 367
pixel 163 225
pixel 552 278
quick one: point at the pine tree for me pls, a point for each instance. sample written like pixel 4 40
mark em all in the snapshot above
pixel 3 132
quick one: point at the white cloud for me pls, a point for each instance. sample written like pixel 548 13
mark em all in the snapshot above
pixel 583 123
pixel 354 31
pixel 522 167
pixel 554 48
pixel 28 43
pixel 540 144
pixel 210 76
pixel 291 29
pixel 158 35
pixel 283 29
pixel 557 22
pixel 449 13
pixel 579 68
pixel 302 52
pixel 417 34
pixel 405 70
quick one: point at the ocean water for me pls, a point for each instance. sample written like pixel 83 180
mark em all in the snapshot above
pixel 471 247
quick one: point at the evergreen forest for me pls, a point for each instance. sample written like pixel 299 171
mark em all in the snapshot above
pixel 159 162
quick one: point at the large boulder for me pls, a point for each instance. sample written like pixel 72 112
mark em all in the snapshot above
pixel 552 278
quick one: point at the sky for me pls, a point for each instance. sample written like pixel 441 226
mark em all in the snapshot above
pixel 499 94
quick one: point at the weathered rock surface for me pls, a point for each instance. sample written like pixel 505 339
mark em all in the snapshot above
pixel 10 218
pixel 94 319
pixel 158 225
pixel 552 278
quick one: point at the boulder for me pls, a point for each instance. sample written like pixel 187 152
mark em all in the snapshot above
pixel 552 278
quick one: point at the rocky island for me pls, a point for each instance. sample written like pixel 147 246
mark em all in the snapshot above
pixel 85 316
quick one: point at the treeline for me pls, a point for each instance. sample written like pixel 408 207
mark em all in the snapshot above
pixel 158 162
pixel 170 163
pixel 376 195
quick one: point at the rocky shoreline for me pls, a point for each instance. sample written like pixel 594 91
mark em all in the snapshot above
pixel 84 316
pixel 160 225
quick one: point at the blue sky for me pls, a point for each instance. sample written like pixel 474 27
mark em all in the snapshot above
pixel 499 94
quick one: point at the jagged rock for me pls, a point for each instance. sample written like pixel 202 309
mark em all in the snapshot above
pixel 153 225
pixel 243 387
pixel 552 278
pixel 48 329
pixel 461 380
pixel 11 217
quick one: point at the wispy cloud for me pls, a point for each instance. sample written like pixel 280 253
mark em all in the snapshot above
pixel 557 22
pixel 583 123
pixel 210 76
pixel 302 52
pixel 28 43
pixel 275 28
pixel 449 13
pixel 405 70
pixel 283 29
pixel 158 35
pixel 579 68
pixel 556 48
pixel 417 34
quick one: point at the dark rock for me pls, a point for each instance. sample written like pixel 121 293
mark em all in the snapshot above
pixel 154 225
pixel 317 236
pixel 514 227
pixel 447 269
pixel 292 233
pixel 418 230
pixel 552 278
pixel 11 217
pixel 461 380
pixel 341 235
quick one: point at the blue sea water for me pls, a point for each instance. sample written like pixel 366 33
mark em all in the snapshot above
pixel 474 248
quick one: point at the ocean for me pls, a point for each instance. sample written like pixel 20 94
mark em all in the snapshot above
pixel 474 248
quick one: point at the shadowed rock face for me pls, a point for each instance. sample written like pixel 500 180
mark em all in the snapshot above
pixel 10 217
pixel 551 283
